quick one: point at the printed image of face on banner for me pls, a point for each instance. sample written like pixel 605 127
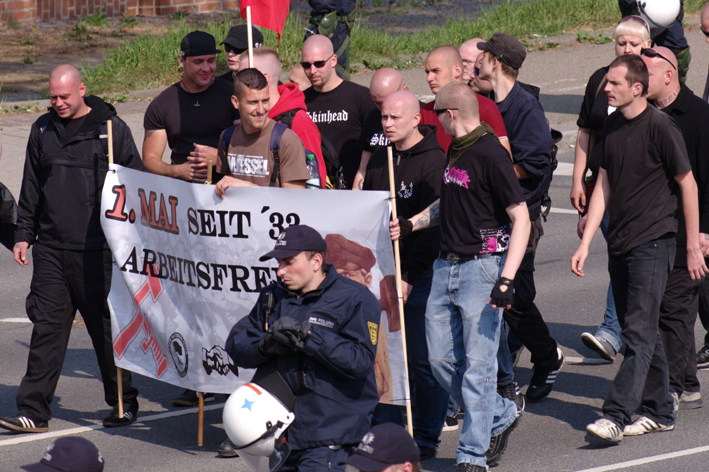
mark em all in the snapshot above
pixel 354 261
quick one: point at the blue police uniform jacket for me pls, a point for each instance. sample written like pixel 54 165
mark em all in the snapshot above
pixel 332 378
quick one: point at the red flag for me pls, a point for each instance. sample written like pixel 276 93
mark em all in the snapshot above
pixel 269 14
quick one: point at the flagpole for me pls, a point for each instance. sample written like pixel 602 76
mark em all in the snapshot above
pixel 399 291
pixel 119 371
pixel 250 37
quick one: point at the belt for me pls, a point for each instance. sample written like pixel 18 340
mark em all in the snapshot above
pixel 454 258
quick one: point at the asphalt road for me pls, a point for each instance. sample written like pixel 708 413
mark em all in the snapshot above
pixel 551 436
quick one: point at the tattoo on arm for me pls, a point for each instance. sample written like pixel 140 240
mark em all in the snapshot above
pixel 360 184
pixel 431 216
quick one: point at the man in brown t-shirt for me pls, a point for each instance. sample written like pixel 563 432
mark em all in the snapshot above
pixel 248 161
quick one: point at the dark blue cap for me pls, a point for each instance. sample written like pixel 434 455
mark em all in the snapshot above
pixel 294 240
pixel 384 445
pixel 69 453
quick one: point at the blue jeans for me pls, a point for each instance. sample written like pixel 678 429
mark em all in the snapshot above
pixel 610 328
pixel 463 335
pixel 639 278
pixel 505 371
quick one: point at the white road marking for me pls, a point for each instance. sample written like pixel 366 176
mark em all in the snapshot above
pixel 564 168
pixel 564 211
pixel 85 429
pixel 649 460
pixel 15 320
pixel 586 361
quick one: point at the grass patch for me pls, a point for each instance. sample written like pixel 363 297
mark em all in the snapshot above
pixel 151 61
pixel 97 20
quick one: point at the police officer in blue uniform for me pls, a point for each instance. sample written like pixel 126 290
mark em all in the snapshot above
pixel 320 329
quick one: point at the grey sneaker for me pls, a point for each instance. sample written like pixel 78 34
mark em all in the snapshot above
pixel 703 358
pixel 645 425
pixel 690 400
pixel 605 429
pixel 599 345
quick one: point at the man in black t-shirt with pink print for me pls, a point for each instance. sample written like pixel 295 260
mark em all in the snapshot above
pixel 644 161
pixel 484 232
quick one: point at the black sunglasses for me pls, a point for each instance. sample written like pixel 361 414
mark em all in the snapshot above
pixel 231 49
pixel 705 33
pixel 651 53
pixel 439 111
pixel 476 71
pixel 316 64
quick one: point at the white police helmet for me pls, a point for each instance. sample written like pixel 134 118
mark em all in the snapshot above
pixel 659 14
pixel 254 419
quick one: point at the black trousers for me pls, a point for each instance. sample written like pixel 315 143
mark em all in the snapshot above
pixel 704 308
pixel 678 314
pixel 639 278
pixel 62 282
pixel 524 318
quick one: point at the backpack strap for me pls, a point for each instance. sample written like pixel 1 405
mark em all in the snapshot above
pixel 226 137
pixel 287 118
pixel 274 146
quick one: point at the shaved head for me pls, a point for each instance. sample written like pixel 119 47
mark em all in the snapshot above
pixel 407 100
pixel 384 82
pixel 443 66
pixel 318 42
pixel 267 61
pixel 401 116
pixel 66 92
pixel 65 72
pixel 460 96
pixel 468 53
pixel 663 78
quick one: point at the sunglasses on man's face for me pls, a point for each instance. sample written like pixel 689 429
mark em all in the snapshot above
pixel 476 71
pixel 705 33
pixel 316 64
pixel 651 53
pixel 440 111
pixel 232 50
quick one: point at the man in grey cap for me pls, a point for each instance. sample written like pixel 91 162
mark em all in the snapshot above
pixel 530 139
pixel 189 115
pixel 235 44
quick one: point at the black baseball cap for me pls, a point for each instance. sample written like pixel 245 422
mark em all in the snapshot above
pixel 69 453
pixel 238 37
pixel 506 48
pixel 294 240
pixel 198 43
pixel 384 445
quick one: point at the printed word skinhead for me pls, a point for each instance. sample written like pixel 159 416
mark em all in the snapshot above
pixel 328 116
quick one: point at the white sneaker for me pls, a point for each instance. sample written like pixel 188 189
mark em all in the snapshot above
pixel 645 425
pixel 675 401
pixel 605 429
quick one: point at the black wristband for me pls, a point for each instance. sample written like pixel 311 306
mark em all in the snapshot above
pixel 406 226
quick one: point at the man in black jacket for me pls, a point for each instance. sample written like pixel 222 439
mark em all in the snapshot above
pixel 59 213
pixel 320 329
pixel 418 171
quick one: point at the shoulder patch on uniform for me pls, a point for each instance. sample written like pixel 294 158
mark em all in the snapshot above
pixel 373 328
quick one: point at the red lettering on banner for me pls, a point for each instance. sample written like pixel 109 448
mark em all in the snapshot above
pixel 153 287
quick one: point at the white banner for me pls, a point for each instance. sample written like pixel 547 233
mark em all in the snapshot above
pixel 186 269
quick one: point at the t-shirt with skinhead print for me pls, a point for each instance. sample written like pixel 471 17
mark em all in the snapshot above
pixel 249 157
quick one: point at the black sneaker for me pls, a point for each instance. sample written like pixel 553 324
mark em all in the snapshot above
pixel 468 467
pixel 542 381
pixel 498 444
pixel 191 398
pixel 130 414
pixel 703 358
pixel 226 449
pixel 511 392
pixel 451 424
pixel 23 424
pixel 426 452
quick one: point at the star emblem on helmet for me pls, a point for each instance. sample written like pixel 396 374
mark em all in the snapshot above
pixel 247 404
